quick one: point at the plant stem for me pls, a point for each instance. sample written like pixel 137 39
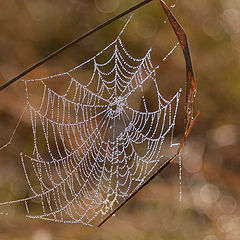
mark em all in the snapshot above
pixel 50 56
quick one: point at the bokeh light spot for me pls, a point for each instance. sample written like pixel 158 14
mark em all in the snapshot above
pixel 107 6
pixel 225 135
pixel 210 237
pixel 224 223
pixel 41 234
pixel 209 193
pixel 227 204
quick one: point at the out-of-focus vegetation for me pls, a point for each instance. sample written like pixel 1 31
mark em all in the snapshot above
pixel 210 208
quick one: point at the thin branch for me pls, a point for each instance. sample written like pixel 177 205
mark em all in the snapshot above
pixel 50 56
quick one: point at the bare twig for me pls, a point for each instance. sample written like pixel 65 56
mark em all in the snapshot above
pixel 50 56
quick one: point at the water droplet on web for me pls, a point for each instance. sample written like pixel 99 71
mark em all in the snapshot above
pixel 99 132
pixel 180 177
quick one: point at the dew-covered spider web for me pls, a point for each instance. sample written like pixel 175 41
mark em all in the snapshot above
pixel 97 140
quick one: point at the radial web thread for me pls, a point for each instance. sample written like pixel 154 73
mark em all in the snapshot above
pixel 91 147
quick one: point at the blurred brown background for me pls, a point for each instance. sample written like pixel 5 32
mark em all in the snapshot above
pixel 209 210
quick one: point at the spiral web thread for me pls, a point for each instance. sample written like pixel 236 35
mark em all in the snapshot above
pixel 91 148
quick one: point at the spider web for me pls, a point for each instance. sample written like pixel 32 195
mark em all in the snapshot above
pixel 91 148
